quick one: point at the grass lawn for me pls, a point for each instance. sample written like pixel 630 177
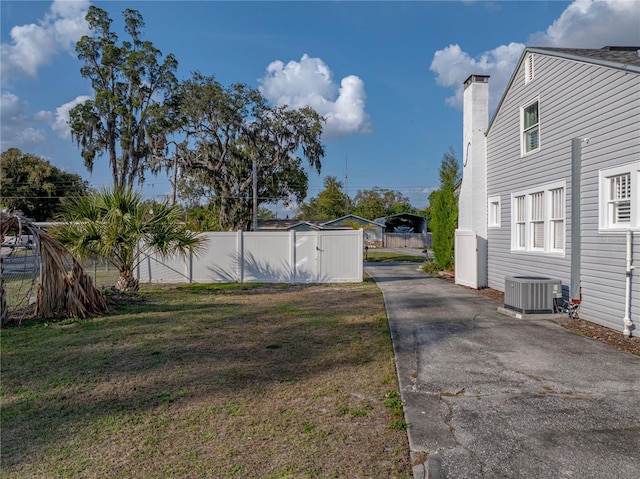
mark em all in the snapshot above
pixel 207 381
pixel 388 257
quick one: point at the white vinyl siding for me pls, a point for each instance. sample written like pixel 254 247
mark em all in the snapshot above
pixel 577 100
pixel 530 128
pixel 538 220
pixel 620 198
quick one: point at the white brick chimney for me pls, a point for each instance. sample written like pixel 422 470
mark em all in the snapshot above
pixel 471 235
pixel 473 191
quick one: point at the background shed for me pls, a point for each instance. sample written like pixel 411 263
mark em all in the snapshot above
pixel 405 230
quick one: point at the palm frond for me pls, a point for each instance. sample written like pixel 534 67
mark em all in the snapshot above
pixel 64 290
pixel 118 226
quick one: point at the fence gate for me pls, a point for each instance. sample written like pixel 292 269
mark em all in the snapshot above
pixel 406 240
pixel 470 259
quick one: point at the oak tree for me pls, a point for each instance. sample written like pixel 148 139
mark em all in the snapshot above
pixel 225 130
pixel 34 186
pixel 331 203
pixel 127 118
pixel 379 202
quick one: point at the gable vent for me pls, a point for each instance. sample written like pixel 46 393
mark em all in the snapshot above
pixel 529 68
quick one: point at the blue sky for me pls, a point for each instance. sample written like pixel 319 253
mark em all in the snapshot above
pixel 387 75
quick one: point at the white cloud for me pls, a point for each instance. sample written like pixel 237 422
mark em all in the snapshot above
pixel 34 45
pixel 16 130
pixel 452 66
pixel 12 107
pixel 310 83
pixel 30 136
pixel 61 123
pixel 583 24
pixel 593 24
pixel 419 196
pixel 20 130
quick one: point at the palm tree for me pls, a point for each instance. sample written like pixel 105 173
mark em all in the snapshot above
pixel 64 289
pixel 116 225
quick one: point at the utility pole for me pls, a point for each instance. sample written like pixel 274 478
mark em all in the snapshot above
pixel 174 183
pixel 346 184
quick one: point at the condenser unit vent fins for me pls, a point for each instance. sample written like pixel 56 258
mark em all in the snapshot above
pixel 531 294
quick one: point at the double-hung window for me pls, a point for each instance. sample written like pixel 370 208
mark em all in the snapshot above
pixel 530 127
pixel 538 219
pixel 620 198
pixel 556 231
pixel 519 222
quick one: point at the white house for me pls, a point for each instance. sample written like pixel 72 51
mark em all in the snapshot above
pixel 551 186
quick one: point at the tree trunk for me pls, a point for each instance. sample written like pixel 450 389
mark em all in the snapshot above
pixel 4 312
pixel 127 282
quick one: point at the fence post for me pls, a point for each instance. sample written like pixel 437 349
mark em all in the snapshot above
pixel 240 256
pixel 292 255
pixel 4 313
pixel 318 255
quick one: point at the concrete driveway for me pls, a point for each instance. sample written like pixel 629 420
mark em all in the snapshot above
pixel 490 396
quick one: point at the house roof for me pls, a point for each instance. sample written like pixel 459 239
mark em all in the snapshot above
pixel 384 219
pixel 617 57
pixel 350 216
pixel 286 224
pixel 312 226
pixel 623 58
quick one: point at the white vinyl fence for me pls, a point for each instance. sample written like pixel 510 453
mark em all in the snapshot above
pixel 264 256
pixel 470 259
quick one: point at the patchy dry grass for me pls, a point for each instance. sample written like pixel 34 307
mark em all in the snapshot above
pixel 389 257
pixel 207 381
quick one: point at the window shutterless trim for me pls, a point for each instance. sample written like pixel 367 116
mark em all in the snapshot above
pixel 538 220
pixel 529 129
pixel 619 198
pixel 494 212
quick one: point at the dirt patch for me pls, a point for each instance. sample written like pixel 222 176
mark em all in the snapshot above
pixel 605 335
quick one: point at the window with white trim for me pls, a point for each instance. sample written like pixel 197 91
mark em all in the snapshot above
pixel 538 219
pixel 493 210
pixel 519 223
pixel 620 198
pixel 557 220
pixel 529 71
pixel 530 121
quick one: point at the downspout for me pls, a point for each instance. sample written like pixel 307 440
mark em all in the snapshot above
pixel 576 167
pixel 627 297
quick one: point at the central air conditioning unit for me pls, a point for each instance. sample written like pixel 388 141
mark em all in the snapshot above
pixel 531 294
